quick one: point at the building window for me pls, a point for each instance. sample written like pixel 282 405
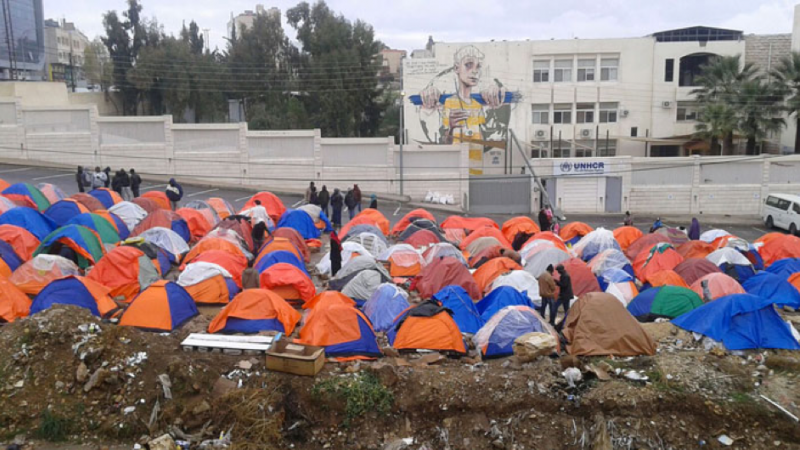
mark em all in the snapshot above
pixel 584 113
pixel 634 131
pixel 687 112
pixel 691 67
pixel 563 71
pixel 609 68
pixel 669 70
pixel 538 151
pixel 586 69
pixel 607 148
pixel 562 113
pixel 541 71
pixel 541 114
pixel 560 150
pixel 584 149
pixel 608 112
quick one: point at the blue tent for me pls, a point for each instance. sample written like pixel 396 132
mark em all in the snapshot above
pixel 9 256
pixel 613 275
pixel 738 272
pixel 385 304
pixel 38 224
pixel 496 338
pixel 499 299
pixel 741 322
pixel 73 291
pixel 300 221
pixel 62 211
pixel 122 229
pixel 465 314
pixel 785 267
pixel 773 288
pixel 280 256
pixel 324 218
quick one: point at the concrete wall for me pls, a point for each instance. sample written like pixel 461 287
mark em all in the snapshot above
pixel 227 154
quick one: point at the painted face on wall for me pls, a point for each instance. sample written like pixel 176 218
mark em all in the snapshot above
pixel 469 70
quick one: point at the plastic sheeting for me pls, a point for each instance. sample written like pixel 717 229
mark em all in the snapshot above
pixel 727 255
pixel 348 250
pixel 387 302
pixel 496 338
pixel 130 213
pixel 521 281
pixel 403 255
pixel 232 237
pixel 200 271
pixel 441 250
pixel 539 262
pixel 37 273
pixel 374 243
pixel 712 235
pixel 167 239
pixel 535 246
pixel 594 243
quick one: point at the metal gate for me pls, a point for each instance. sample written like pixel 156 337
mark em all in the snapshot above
pixel 613 194
pixel 499 194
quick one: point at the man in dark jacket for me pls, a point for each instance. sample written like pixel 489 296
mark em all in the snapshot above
pixel 116 183
pixel 125 184
pixel 136 181
pixel 107 171
pixel 337 202
pixel 79 179
pixel 357 196
pixel 174 193
pixel 336 253
pixel 324 198
pixel 544 221
pixel 565 292
pixel 350 202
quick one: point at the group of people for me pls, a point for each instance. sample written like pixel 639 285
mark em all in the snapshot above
pixel 548 291
pixel 351 199
pixel 124 183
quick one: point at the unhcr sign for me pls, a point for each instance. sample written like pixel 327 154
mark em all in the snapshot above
pixel 571 167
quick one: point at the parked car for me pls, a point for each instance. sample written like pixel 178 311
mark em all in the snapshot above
pixel 782 211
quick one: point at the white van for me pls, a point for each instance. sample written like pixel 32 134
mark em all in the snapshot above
pixel 782 211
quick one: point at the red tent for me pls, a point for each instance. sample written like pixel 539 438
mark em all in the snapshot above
pixel 270 202
pixel 693 269
pixel 445 272
pixel 583 280
pixel 469 224
pixel 645 243
pixel 485 232
pixel 420 213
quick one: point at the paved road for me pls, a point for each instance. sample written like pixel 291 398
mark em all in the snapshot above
pixel 746 228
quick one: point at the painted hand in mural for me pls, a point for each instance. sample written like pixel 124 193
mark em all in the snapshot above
pixel 430 97
pixel 493 95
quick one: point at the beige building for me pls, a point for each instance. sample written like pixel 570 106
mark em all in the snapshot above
pixel 245 20
pixel 392 60
pixel 64 52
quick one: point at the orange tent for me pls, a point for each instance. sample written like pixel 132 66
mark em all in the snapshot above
pixel 38 272
pixel 233 263
pixel 455 235
pixel 159 197
pixel 626 236
pixel 437 332
pixel 779 247
pixel 164 306
pixel 295 238
pixel 722 241
pixel 276 244
pixel 794 280
pixel 404 261
pixel 125 271
pixel 212 244
pixel 343 330
pixel 492 269
pixel 13 302
pixel 3 185
pixel 253 311
pixel 270 202
pixel 211 291
pixel 91 203
pixel 719 285
pixel 574 230
pixel 105 214
pixel 645 242
pixel 583 280
pixel 323 299
pixel 147 204
pixel 548 236
pixel 289 282
pixel 768 237
pixel 368 216
pixel 695 249
pixel 221 207
pixel 469 224
pixel 666 278
pixel 485 232
pixel 519 224
pixel 21 240
pixel 420 213
pixel 197 221
pixel 660 257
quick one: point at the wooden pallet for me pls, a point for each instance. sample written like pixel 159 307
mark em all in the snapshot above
pixel 229 345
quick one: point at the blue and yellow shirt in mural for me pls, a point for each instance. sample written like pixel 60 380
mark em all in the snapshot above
pixel 468 130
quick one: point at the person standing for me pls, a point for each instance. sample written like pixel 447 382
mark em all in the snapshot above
pixel 309 189
pixel 628 220
pixel 107 171
pixel 136 181
pixel 79 178
pixel 313 198
pixel 565 292
pixel 99 179
pixel 547 289
pixel 350 202
pixel 544 222
pixel 357 196
pixel 125 184
pixel 656 225
pixel 373 201
pixel 336 205
pixel 116 183
pixel 174 193
pixel 324 198
pixel 336 254
pixel 694 229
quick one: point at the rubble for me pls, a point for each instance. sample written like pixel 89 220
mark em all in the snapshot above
pixel 530 346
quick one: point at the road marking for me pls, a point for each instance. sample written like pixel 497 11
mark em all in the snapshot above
pixel 156 186
pixel 758 229
pixel 398 209
pixel 24 169
pixel 53 176
pixel 202 192
pixel 243 198
pixel 297 203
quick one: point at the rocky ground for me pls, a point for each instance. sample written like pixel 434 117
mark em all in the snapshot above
pixel 67 377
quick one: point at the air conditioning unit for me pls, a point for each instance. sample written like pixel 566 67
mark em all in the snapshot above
pixel 624 113
pixel 666 105
pixel 540 134
pixel 586 133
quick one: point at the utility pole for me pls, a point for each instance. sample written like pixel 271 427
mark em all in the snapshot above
pixel 71 66
pixel 402 137
pixel 12 57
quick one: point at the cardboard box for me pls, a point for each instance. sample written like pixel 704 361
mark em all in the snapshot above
pixel 298 359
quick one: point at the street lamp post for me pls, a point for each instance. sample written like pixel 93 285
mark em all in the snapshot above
pixel 402 138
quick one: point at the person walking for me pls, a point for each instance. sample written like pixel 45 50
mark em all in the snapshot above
pixel 107 171
pixel 373 201
pixel 628 219
pixel 324 198
pixel 565 292
pixel 125 184
pixel 357 196
pixel 336 205
pixel 336 253
pixel 174 193
pixel 547 290
pixel 99 179
pixel 136 181
pixel 350 202
pixel 83 178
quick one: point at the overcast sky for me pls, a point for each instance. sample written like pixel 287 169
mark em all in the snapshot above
pixel 406 24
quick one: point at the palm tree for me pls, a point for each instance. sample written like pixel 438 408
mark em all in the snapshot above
pixel 719 82
pixel 758 107
pixel 715 122
pixel 787 74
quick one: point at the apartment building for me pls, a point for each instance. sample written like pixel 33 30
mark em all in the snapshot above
pixel 65 47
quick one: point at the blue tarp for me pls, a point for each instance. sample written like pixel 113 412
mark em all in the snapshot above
pixel 740 322
pixel 385 304
pixel 785 267
pixel 324 217
pixel 499 299
pixel 465 314
pixel 38 224
pixel 300 221
pixel 613 275
pixel 773 288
